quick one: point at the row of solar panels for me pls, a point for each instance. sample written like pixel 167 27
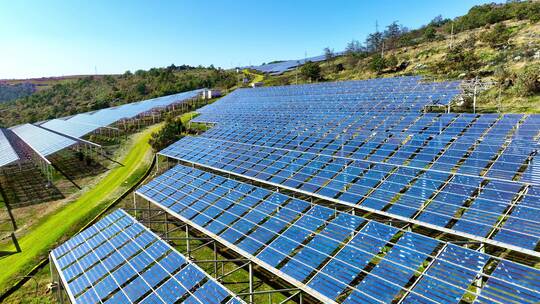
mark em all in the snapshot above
pixel 374 86
pixel 348 97
pixel 281 67
pixel 55 135
pixel 118 260
pixel 476 139
pixel 337 256
pixel 471 205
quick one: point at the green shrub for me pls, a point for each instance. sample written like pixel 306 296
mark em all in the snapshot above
pixel 528 81
pixel 338 68
pixel 497 37
pixel 457 61
pixel 430 33
pixel 377 63
pixel 170 133
pixel 311 71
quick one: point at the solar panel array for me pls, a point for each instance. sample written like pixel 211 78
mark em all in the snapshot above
pixel 281 67
pixel 368 145
pixel 118 260
pixel 55 135
pixel 82 124
pixel 338 256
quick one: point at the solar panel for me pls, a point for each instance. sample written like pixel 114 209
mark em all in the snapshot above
pixel 338 255
pixel 82 124
pixel 7 152
pixel 430 196
pixel 367 145
pixel 42 141
pixel 119 260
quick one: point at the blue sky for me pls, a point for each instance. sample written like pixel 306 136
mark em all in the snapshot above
pixel 54 38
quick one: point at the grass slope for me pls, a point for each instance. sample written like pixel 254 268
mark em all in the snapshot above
pixel 49 231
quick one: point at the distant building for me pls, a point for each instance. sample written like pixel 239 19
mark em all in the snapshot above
pixel 256 84
pixel 209 94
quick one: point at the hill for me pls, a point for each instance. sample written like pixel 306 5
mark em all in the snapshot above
pixel 68 96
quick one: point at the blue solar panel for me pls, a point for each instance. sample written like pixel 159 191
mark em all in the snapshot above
pixel 119 260
pixel 398 267
pixel 41 140
pixel 330 251
pixel 526 282
pixel 8 154
pixel 458 266
pixel 82 124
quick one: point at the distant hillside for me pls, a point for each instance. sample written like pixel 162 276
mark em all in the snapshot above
pixel 76 95
pixel 43 83
pixel 14 91
pixel 494 42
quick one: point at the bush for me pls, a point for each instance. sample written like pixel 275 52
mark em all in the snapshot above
pixel 497 37
pixel 170 133
pixel 391 61
pixel 338 68
pixel 430 33
pixel 311 71
pixel 458 60
pixel 377 63
pixel 528 81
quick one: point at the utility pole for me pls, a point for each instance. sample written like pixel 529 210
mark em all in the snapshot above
pixel 452 36
pixel 499 99
pixel 297 63
pixel 474 94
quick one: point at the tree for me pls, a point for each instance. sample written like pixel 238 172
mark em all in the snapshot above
pixel 354 48
pixel 377 63
pixel 393 33
pixel 438 21
pixel 311 71
pixel 374 42
pixel 328 53
pixel 170 133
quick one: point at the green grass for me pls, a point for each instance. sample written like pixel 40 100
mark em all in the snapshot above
pixel 49 231
pixel 256 77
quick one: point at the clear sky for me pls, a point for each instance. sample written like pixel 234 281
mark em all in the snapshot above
pixel 53 38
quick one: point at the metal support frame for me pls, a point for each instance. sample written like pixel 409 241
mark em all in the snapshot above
pixel 217 262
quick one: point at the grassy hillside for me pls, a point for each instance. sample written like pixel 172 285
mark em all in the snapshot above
pixel 76 95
